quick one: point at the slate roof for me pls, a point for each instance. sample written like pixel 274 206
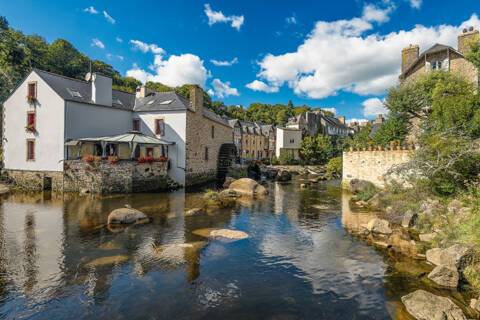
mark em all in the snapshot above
pixel 66 87
pixel 162 101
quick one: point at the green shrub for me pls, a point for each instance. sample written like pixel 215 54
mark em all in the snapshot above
pixel 334 167
pixel 286 158
pixel 367 193
pixel 472 275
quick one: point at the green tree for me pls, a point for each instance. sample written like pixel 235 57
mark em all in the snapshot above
pixel 393 129
pixel 362 138
pixel 317 150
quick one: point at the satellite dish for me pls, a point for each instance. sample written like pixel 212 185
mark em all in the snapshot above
pixel 88 76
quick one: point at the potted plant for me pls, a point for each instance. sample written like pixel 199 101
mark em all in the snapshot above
pixel 30 128
pixel 88 158
pixel 112 159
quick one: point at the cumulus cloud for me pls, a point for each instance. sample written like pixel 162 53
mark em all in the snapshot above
pixel 90 10
pixel 416 4
pixel 174 71
pixel 258 85
pixel 118 39
pixel 356 120
pixel 97 43
pixel 114 56
pixel 224 63
pixel 108 17
pixel 223 89
pixel 373 107
pixel 332 110
pixel 326 63
pixel 218 17
pixel 145 47
pixel 373 13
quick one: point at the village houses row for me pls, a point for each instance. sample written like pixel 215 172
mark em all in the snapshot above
pixel 51 122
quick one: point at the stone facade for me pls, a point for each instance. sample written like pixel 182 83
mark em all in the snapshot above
pixel 372 166
pixel 205 135
pixel 36 180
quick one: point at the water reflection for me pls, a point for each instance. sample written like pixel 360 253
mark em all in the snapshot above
pixel 59 260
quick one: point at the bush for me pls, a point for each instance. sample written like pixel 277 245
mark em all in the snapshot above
pixel 366 193
pixel 286 158
pixel 334 167
pixel 472 275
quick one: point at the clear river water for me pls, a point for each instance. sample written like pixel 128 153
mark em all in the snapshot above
pixel 58 259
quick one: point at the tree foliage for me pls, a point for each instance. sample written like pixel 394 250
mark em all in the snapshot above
pixel 317 149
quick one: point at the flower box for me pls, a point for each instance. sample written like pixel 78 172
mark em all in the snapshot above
pixel 112 159
pixel 88 158
pixel 31 99
pixel 147 159
pixel 30 128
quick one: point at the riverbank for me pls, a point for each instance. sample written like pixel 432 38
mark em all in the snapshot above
pixel 438 231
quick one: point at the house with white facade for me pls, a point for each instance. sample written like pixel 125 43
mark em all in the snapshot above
pixel 288 141
pixel 52 123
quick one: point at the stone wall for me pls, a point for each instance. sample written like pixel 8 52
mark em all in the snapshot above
pixel 36 180
pixel 372 165
pixel 123 177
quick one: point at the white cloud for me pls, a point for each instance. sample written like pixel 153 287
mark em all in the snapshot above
pixel 145 47
pixel 373 13
pixel 224 63
pixel 118 39
pixel 223 89
pixel 116 56
pixel 416 3
pixel 346 55
pixel 91 10
pixel 332 110
pixel 356 120
pixel 174 71
pixel 373 106
pixel 218 17
pixel 258 85
pixel 291 20
pixel 97 43
pixel 108 17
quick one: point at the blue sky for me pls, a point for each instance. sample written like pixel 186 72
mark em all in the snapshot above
pixel 341 54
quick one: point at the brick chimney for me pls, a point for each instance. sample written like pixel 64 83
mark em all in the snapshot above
pixel 466 38
pixel 341 119
pixel 196 98
pixel 142 91
pixel 379 119
pixel 409 55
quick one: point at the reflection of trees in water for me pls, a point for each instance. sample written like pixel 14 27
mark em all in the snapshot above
pixel 3 256
pixel 30 253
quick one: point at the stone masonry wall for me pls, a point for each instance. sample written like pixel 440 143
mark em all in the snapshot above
pixel 199 137
pixel 122 177
pixel 34 180
pixel 371 165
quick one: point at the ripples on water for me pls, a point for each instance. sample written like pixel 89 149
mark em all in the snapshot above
pixel 56 260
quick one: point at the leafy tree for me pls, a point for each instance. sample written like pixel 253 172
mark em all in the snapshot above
pixel 318 149
pixel 362 138
pixel 393 129
pixel 63 58
pixel 3 23
pixel 473 55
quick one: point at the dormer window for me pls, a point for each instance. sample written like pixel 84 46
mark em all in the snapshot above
pixel 436 65
pixel 32 91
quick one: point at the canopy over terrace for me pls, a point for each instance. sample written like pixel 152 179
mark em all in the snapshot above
pixel 132 139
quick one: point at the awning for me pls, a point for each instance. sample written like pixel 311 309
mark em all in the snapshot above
pixel 130 138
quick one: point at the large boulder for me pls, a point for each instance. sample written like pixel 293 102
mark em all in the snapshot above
pixel 126 216
pixel 107 261
pixel 248 187
pixel 226 234
pixel 423 305
pixel 409 219
pixel 357 185
pixel 446 276
pixel 4 189
pixel 284 175
pixel 194 212
pixel 457 255
pixel 228 181
pixel 379 226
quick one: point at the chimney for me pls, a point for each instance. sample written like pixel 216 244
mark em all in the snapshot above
pixel 409 55
pixel 142 91
pixel 379 119
pixel 341 119
pixel 196 98
pixel 465 39
pixel 101 89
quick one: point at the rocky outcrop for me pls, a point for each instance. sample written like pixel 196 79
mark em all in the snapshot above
pixel 457 255
pixel 126 216
pixel 357 185
pixel 401 242
pixel 379 226
pixel 248 187
pixel 429 207
pixel 446 276
pixel 284 176
pixel 409 219
pixel 423 305
pixel 475 304
pixel 427 237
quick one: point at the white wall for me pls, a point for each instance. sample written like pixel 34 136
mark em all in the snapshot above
pixel 49 138
pixel 284 136
pixel 175 131
pixel 87 120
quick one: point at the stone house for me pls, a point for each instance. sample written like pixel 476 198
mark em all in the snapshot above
pixel 441 58
pixel 254 141
pixel 312 123
pixel 51 120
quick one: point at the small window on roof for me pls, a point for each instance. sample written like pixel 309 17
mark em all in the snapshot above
pixel 166 102
pixel 117 101
pixel 74 93
pixel 151 101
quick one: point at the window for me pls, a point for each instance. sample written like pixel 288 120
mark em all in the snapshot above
pixel 149 152
pixel 206 153
pixel 436 65
pixel 159 127
pixel 32 90
pixel 136 125
pixel 292 140
pixel 30 150
pixel 31 121
pixel 213 132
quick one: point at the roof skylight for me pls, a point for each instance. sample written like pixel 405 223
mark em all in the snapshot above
pixel 166 102
pixel 74 93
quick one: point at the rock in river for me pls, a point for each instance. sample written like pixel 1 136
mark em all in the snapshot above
pixel 379 226
pixel 446 276
pixel 107 261
pixel 457 255
pixel 221 233
pixel 126 216
pixel 423 305
pixel 248 187
pixel 194 212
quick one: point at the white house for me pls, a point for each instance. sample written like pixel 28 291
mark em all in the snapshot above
pixel 47 113
pixel 288 140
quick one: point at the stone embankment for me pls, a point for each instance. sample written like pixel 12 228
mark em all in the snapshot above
pixel 447 265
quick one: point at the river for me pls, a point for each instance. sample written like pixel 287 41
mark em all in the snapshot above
pixel 299 261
